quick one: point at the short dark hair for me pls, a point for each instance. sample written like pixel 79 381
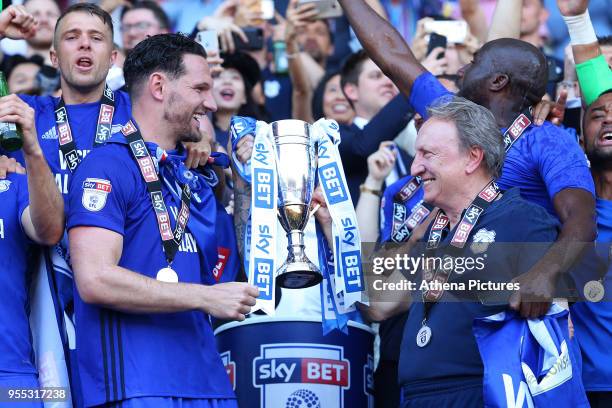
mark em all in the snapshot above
pixel 352 67
pixel 92 9
pixel 161 52
pixel 350 71
pixel 159 13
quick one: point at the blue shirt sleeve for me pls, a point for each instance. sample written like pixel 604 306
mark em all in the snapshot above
pixel 426 89
pixel 561 162
pixel 100 193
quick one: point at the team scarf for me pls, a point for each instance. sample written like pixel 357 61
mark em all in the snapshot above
pixel 264 230
pixel 529 362
pixel 348 280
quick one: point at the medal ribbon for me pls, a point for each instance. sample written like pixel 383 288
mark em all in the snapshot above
pixel 262 256
pixel 171 240
pixel 348 280
pixel 103 128
pixel 517 128
pixel 404 222
pixel 462 231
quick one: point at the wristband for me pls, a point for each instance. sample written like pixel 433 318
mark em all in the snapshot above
pixel 580 29
pixel 364 189
pixel 595 78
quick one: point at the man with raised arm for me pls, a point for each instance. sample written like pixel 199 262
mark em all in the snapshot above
pixel 508 77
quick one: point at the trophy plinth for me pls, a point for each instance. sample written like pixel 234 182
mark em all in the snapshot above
pixel 295 163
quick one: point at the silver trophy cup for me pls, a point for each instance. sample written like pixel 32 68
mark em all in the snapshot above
pixel 296 165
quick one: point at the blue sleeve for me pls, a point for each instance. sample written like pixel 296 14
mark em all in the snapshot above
pixel 100 193
pixel 358 143
pixel 425 90
pixel 561 162
pixel 540 231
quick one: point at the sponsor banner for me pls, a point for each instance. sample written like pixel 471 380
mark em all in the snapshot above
pixel 285 363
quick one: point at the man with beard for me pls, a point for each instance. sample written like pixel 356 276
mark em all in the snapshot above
pixel 144 332
pixel 508 77
pixel 593 318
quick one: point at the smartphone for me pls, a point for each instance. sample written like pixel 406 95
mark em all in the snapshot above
pixel 325 8
pixel 435 41
pixel 255 39
pixel 455 31
pixel 281 63
pixel 209 40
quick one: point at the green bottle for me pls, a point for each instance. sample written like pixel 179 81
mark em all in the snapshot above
pixel 11 138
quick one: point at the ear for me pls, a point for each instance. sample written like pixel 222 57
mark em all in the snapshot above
pixel 53 56
pixel 498 81
pixel 113 57
pixel 474 159
pixel 157 86
pixel 351 92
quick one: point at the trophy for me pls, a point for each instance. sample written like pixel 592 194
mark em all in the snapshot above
pixel 296 163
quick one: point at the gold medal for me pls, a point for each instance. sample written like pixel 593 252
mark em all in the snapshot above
pixel 167 275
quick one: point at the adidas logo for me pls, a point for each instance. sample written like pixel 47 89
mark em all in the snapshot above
pixel 50 134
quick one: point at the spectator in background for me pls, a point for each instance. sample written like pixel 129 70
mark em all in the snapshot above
pixel 380 114
pixel 21 74
pixel 47 13
pixel 534 16
pixel 329 101
pixel 232 92
pixel 143 19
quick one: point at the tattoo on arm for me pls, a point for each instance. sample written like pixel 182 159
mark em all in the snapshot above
pixel 242 207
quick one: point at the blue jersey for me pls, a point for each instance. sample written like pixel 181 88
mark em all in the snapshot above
pixel 593 320
pixel 545 160
pixel 124 355
pixel 17 355
pixel 83 120
pixel 452 357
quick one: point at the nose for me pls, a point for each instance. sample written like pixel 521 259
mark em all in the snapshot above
pixel 209 102
pixel 85 42
pixel 417 168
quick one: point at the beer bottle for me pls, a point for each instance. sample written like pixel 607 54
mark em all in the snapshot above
pixel 11 138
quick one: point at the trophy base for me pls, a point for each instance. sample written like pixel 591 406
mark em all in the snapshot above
pixel 298 275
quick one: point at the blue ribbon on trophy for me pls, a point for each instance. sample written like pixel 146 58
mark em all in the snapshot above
pixel 262 257
pixel 348 279
pixel 282 173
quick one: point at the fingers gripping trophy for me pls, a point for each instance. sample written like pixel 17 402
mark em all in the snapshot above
pixel 289 158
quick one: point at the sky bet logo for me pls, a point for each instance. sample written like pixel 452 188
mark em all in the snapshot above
pixel 264 188
pixel 332 183
pixel 282 369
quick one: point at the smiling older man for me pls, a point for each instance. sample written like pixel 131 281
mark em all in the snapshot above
pixel 459 154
